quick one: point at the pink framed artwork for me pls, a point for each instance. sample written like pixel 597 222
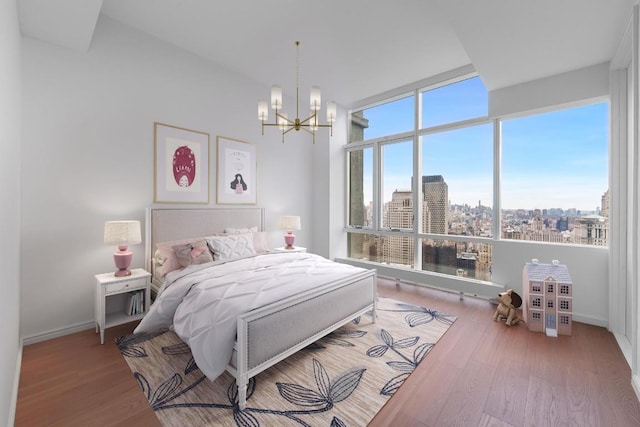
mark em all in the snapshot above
pixel 181 172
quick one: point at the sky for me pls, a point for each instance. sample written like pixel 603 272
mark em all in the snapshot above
pixel 557 159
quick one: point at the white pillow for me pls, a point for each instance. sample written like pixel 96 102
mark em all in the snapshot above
pixel 260 242
pixel 231 246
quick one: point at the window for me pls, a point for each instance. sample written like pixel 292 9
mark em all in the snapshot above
pixel 455 102
pixel 389 130
pixel 564 305
pixel 457 258
pixel 457 181
pixel 423 179
pixel 361 187
pixel 397 196
pixel 564 289
pixel 536 302
pixel 536 316
pixel 555 176
pixel 550 303
pixel 385 119
pixel 564 320
pixel 385 249
pixel 549 288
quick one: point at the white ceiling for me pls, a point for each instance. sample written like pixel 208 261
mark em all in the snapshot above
pixel 354 49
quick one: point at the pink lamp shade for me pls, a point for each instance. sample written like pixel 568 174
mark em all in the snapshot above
pixel 289 223
pixel 122 234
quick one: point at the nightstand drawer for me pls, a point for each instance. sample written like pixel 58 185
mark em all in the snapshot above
pixel 128 285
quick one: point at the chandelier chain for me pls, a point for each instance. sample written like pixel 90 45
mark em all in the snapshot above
pixel 297 78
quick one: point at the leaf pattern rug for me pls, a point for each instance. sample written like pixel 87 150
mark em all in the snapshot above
pixel 342 379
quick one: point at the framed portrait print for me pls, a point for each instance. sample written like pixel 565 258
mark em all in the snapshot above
pixel 236 172
pixel 181 172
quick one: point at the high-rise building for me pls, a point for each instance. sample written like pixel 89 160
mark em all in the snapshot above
pixel 562 224
pixel 604 209
pixel 436 195
pixel 357 212
pixel 399 215
pixel 591 230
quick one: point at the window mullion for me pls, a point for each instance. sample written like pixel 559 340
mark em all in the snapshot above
pixel 497 177
pixel 377 196
pixel 417 174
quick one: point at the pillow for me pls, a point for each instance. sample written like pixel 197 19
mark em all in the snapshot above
pixel 260 241
pixel 240 230
pixel 166 257
pixel 231 246
pixel 192 253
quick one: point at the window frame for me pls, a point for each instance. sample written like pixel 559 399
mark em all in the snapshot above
pixel 416 134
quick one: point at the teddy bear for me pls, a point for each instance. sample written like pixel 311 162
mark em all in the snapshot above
pixel 508 301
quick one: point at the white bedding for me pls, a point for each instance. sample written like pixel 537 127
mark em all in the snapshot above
pixel 203 302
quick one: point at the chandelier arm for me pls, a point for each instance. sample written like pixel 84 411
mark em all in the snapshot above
pixel 289 121
pixel 315 126
pixel 302 126
pixel 274 124
pixel 302 122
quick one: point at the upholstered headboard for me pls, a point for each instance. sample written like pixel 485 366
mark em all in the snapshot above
pixel 163 224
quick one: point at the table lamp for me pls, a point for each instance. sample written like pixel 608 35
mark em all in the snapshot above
pixel 122 234
pixel 289 223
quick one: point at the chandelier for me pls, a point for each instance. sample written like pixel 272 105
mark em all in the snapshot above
pixel 282 120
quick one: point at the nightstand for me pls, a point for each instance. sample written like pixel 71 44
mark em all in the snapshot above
pixel 121 299
pixel 295 249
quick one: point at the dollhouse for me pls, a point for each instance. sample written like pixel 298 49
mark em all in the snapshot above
pixel 548 298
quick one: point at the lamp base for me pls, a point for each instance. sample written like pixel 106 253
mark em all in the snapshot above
pixel 289 238
pixel 122 259
pixel 122 273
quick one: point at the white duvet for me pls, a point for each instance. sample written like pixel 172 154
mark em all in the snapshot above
pixel 203 302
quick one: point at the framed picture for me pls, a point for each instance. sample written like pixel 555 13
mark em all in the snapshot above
pixel 181 172
pixel 236 172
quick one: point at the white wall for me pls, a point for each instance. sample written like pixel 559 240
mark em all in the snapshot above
pixel 10 143
pixel 329 184
pixel 566 88
pixel 88 157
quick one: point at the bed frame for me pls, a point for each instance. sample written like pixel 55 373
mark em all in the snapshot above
pixel 306 317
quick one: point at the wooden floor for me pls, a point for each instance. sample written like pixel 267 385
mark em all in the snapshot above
pixel 481 373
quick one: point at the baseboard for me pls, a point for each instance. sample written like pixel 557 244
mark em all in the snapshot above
pixel 16 386
pixel 591 320
pixel 58 333
pixel 625 346
pixel 635 383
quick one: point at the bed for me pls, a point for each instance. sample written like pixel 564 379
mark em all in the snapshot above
pixel 232 311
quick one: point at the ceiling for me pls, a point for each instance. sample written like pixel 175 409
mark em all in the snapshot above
pixel 354 49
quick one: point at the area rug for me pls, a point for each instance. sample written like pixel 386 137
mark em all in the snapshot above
pixel 342 379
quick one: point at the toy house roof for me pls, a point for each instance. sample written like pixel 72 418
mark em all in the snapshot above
pixel 541 272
